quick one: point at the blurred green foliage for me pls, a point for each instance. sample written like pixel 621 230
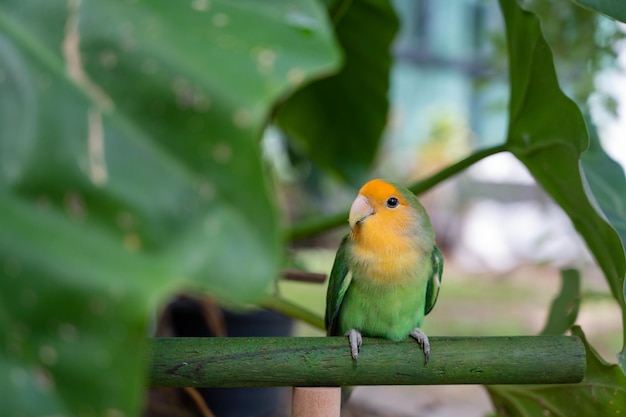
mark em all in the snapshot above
pixel 130 167
pixel 330 119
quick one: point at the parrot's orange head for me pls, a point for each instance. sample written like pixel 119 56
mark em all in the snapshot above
pixel 379 198
pixel 389 229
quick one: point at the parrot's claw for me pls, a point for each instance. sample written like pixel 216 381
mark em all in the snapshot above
pixel 422 339
pixel 356 340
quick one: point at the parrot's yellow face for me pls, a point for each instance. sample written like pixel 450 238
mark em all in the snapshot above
pixel 383 225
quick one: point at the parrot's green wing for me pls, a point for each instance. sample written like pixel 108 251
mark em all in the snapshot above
pixel 434 283
pixel 338 283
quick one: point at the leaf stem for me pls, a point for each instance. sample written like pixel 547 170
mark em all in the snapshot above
pixel 313 227
pixel 292 310
pixel 426 184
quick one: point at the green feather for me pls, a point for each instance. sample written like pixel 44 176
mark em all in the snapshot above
pixel 340 279
pixel 434 283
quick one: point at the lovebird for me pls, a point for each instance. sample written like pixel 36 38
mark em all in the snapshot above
pixel 387 271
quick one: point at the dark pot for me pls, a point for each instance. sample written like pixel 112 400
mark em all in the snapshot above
pixel 187 321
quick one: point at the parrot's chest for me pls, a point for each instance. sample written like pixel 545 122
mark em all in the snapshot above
pixel 383 310
pixel 393 265
pixel 386 296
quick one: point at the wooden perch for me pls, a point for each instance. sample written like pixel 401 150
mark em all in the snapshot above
pixel 326 361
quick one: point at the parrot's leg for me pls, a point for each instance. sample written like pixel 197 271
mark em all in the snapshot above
pixel 422 339
pixel 355 342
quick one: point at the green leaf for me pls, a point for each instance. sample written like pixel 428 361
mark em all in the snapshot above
pixel 611 8
pixel 564 309
pixel 601 393
pixel 339 120
pixel 129 168
pixel 547 133
pixel 607 183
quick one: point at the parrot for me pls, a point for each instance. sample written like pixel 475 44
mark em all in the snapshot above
pixel 387 271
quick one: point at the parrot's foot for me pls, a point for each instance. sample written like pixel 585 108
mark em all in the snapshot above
pixel 355 343
pixel 422 339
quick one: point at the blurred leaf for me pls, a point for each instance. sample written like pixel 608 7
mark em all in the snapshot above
pixel 601 393
pixel 611 8
pixel 130 166
pixel 564 308
pixel 607 183
pixel 204 104
pixel 610 104
pixel 547 133
pixel 72 315
pixel 339 120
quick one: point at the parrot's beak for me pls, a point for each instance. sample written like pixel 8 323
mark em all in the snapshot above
pixel 360 210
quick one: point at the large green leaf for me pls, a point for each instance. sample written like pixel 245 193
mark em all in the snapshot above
pixel 130 166
pixel 601 393
pixel 547 133
pixel 611 8
pixel 339 120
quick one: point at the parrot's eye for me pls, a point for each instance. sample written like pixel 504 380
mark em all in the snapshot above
pixel 392 202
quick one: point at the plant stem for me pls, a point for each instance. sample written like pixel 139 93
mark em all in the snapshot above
pixel 292 310
pixel 426 184
pixel 312 227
